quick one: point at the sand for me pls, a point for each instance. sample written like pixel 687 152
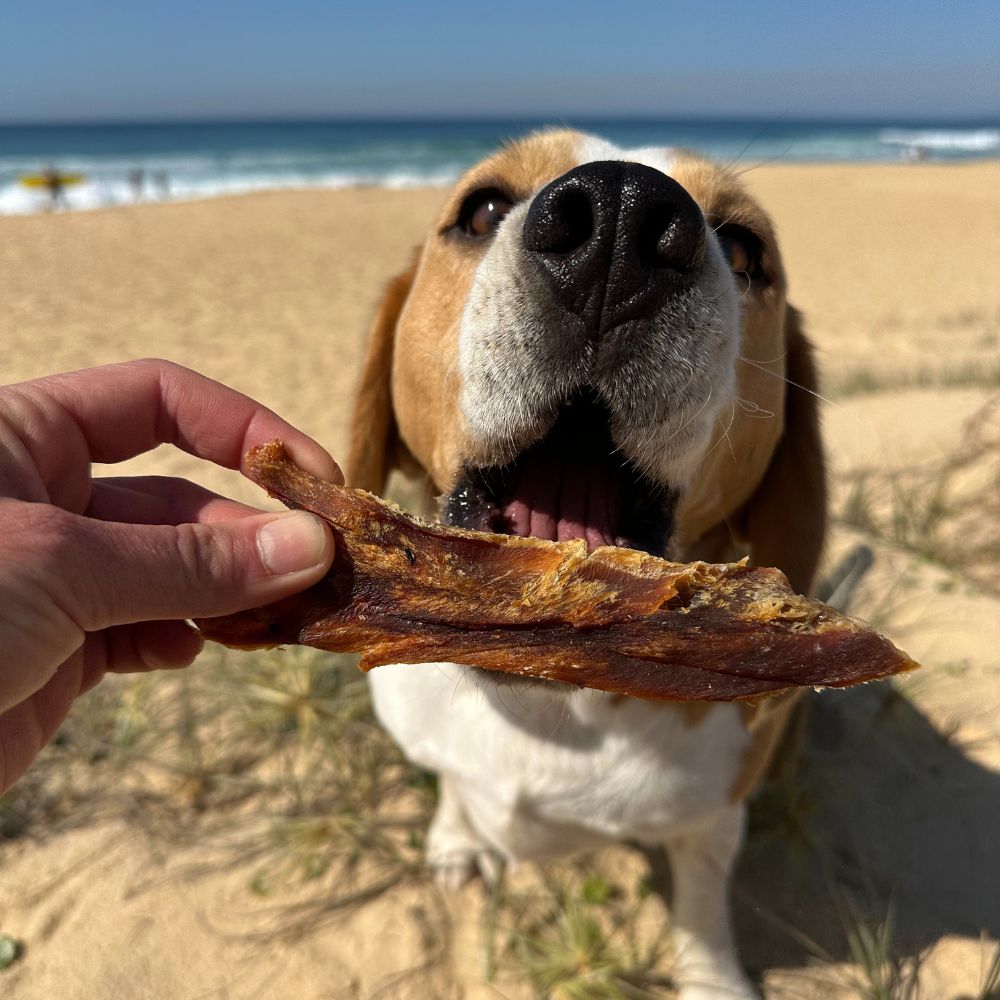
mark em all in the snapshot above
pixel 896 271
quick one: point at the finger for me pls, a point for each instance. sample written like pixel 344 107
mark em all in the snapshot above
pixel 160 500
pixel 145 646
pixel 27 727
pixel 102 573
pixel 31 724
pixel 115 412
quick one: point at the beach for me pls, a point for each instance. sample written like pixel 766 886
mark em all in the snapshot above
pixel 895 269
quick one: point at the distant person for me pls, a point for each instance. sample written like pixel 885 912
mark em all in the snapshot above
pixel 137 181
pixel 55 187
pixel 161 184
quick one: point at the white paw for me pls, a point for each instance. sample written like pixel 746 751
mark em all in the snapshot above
pixel 452 869
pixel 719 988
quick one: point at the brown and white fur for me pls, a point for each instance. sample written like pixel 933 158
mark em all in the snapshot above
pixel 707 392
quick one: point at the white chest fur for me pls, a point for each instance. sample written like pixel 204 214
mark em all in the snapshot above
pixel 542 770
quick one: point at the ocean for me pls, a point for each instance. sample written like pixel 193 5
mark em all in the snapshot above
pixel 120 163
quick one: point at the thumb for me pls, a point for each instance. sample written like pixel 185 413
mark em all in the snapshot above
pixel 114 574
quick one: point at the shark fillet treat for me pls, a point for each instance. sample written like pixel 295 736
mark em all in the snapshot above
pixel 405 591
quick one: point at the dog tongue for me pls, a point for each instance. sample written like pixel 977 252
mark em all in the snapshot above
pixel 564 496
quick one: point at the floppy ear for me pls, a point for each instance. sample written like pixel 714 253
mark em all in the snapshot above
pixel 375 443
pixel 785 519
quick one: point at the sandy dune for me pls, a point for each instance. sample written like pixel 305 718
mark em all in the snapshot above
pixel 896 270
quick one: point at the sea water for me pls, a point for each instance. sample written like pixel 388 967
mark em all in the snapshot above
pixel 121 163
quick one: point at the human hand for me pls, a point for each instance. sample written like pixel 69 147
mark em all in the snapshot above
pixel 99 574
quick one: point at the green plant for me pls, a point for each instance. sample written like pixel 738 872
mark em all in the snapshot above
pixel 877 973
pixel 10 951
pixel 990 988
pixel 946 512
pixel 575 934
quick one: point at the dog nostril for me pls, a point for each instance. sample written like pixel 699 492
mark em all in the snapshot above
pixel 573 208
pixel 654 241
pixel 567 225
pixel 667 239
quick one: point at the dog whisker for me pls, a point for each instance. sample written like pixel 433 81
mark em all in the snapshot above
pixel 772 361
pixel 725 433
pixel 759 134
pixel 789 381
pixel 763 163
pixel 693 417
pixel 725 222
pixel 751 409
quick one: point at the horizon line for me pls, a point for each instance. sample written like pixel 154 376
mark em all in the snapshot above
pixel 511 118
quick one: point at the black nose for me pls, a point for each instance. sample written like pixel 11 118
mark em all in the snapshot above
pixel 615 239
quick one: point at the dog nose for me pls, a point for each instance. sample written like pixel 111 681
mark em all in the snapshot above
pixel 615 239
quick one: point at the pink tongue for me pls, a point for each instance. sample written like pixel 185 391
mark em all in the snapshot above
pixel 563 499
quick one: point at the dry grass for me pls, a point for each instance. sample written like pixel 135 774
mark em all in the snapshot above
pixel 329 817
pixel 866 381
pixel 284 742
pixel 577 933
pixel 274 764
pixel 990 989
pixel 945 512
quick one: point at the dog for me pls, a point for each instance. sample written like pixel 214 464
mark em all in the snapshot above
pixel 595 343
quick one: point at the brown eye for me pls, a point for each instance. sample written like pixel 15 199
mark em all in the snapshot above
pixel 739 257
pixel 483 211
pixel 742 249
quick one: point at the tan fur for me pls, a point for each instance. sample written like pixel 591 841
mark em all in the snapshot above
pixel 766 723
pixel 374 434
pixel 746 435
pixel 424 389
pixel 785 520
pixel 761 488
pixel 784 524
pixel 423 382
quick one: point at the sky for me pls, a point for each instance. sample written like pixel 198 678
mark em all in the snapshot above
pixel 73 60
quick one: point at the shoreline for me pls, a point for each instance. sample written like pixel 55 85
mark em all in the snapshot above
pixel 420 185
pixel 441 184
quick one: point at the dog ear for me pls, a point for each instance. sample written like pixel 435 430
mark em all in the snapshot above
pixel 375 443
pixel 785 519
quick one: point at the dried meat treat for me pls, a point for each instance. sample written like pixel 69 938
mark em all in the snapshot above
pixel 405 591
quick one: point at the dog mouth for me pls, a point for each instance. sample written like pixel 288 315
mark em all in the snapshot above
pixel 571 484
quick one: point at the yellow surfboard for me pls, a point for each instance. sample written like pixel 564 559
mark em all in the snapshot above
pixel 42 181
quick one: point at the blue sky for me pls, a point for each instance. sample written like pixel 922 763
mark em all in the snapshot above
pixel 142 59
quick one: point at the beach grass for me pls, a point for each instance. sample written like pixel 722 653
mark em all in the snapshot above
pixel 279 771
pixel 867 380
pixel 275 765
pixel 945 511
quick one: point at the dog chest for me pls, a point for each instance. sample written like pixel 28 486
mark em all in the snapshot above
pixel 540 765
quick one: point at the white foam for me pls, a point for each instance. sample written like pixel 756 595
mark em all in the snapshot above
pixel 979 140
pixel 107 191
pixel 198 171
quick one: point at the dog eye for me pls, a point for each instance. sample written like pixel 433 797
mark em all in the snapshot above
pixel 483 211
pixel 743 250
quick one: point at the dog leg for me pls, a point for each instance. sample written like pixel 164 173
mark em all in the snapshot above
pixel 701 859
pixel 454 850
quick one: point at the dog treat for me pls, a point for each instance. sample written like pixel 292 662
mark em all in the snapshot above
pixel 405 591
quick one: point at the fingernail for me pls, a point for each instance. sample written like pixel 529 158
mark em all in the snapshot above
pixel 292 542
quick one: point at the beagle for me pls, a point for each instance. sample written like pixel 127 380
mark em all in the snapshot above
pixel 595 343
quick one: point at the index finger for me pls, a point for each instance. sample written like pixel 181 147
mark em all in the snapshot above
pixel 126 409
